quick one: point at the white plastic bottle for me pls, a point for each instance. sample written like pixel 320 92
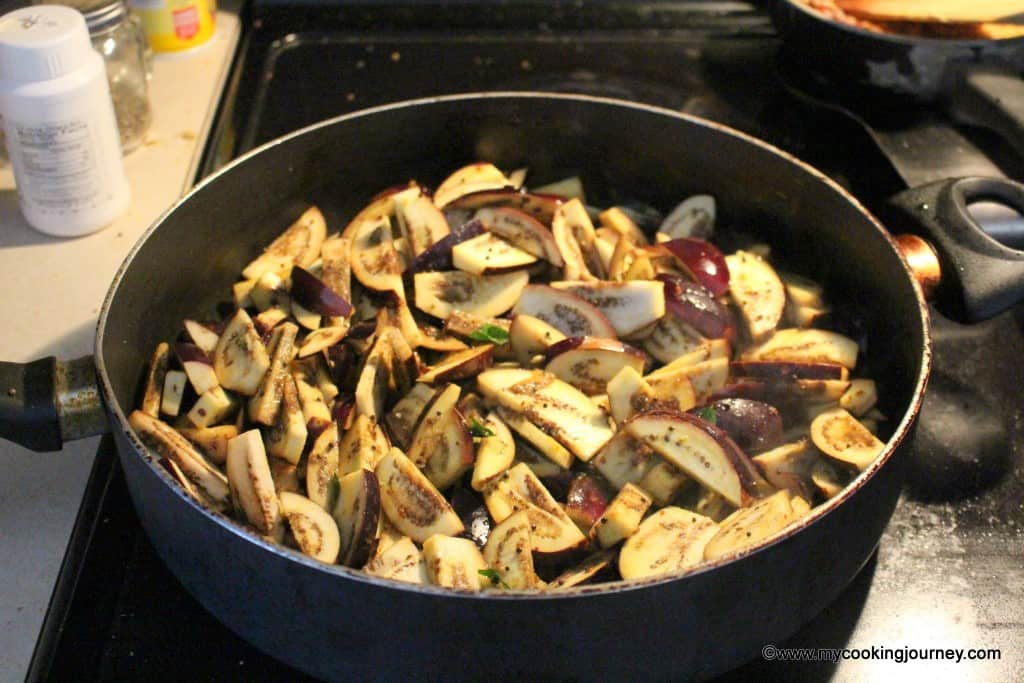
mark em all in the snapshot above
pixel 59 122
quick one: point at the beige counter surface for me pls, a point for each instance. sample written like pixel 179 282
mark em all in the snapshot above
pixel 51 292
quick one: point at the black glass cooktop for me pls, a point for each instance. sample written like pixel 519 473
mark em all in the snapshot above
pixel 949 572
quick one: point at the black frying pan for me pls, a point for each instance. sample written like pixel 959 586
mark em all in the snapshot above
pixel 341 624
pixel 978 80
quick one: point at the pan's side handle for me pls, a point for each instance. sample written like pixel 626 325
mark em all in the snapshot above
pixel 980 276
pixel 46 402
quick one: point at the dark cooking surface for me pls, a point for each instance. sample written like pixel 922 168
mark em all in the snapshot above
pixel 949 572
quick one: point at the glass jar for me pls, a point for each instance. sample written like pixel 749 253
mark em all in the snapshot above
pixel 118 36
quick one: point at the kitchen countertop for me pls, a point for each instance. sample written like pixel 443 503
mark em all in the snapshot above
pixel 52 290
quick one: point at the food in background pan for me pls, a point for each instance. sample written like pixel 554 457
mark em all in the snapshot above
pixel 480 388
pixel 952 30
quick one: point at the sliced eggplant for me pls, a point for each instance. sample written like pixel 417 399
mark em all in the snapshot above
pixel 749 526
pixel 624 460
pixel 670 540
pixel 508 552
pixel 589 570
pixel 560 410
pixel 548 447
pixel 202 336
pixel 539 205
pixel 672 338
pixel 152 394
pixel 755 426
pixel 401 561
pixel 455 563
pixel 567 188
pixel 663 481
pixel 840 435
pixel 315 409
pixel 441 294
pixel 336 268
pixel 252 485
pixel 629 394
pixel 695 305
pixel 422 224
pixel 322 468
pixel 588 363
pixel 286 439
pixel 264 404
pixel 806 346
pixel 629 306
pixel 432 426
pixel 436 340
pixel 212 441
pixel 312 527
pixel 702 260
pixel 576 240
pixel 529 336
pixel 358 514
pixel 197 365
pixel 493 382
pixel 439 255
pixel 402 419
pixel 860 398
pixel 693 217
pixel 789 466
pixel 362 446
pixel 518 484
pixel 173 392
pixel 699 449
pixel 476 177
pixel 375 261
pixel 374 379
pixel 553 533
pixel 460 365
pixel 211 408
pixel 494 453
pixel 705 378
pixel 586 500
pixel 488 254
pixel 167 443
pixel 411 502
pixel 758 293
pixel 240 359
pixel 569 313
pixel 523 231
pixel 622 517
pixel 619 221
pixel 442 444
pixel 299 245
pixel 266 320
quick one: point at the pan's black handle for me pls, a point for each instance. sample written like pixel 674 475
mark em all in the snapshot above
pixel 47 402
pixel 980 276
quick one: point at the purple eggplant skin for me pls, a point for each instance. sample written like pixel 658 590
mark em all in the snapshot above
pixel 695 305
pixel 314 295
pixel 190 353
pixel 755 426
pixel 438 256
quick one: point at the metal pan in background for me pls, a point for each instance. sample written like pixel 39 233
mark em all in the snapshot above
pixel 978 80
pixel 336 623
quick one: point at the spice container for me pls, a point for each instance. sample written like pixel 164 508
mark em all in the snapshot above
pixel 59 122
pixel 176 25
pixel 117 35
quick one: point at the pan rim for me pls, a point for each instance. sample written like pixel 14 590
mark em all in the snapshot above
pixel 899 434
pixel 899 38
